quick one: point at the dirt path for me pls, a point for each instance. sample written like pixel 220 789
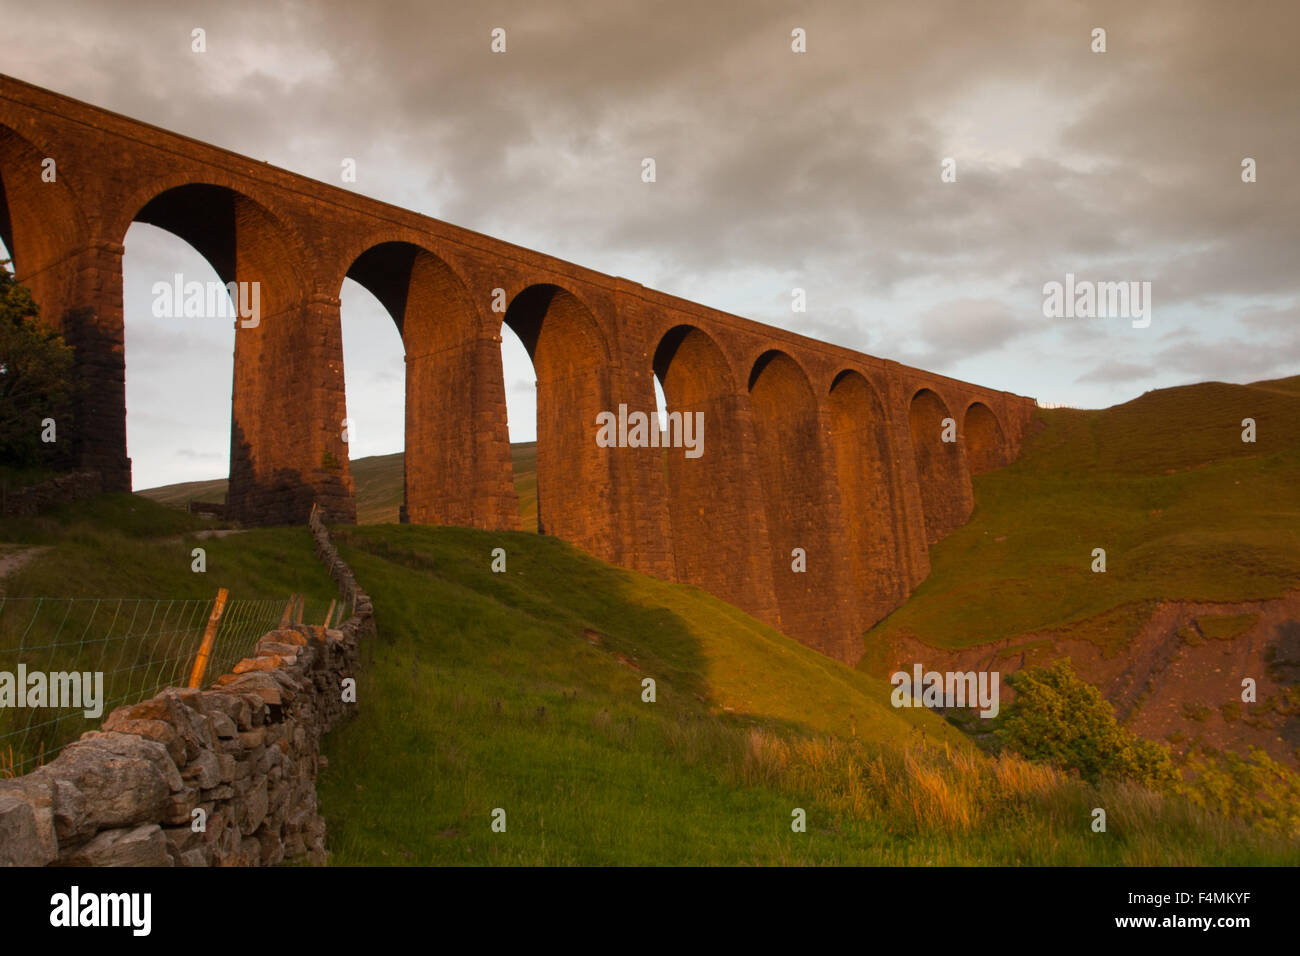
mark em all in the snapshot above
pixel 219 532
pixel 16 556
pixel 210 533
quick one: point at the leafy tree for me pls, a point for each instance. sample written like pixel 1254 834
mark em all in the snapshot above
pixel 1060 718
pixel 35 377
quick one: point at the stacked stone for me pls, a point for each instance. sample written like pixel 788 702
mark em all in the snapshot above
pixel 60 490
pixel 362 609
pixel 245 752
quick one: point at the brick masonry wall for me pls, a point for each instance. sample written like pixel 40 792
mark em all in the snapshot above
pixel 858 478
pixel 246 752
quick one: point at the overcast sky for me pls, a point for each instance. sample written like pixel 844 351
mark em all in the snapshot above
pixel 775 170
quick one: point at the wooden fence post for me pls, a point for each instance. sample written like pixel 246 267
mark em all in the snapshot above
pixel 209 635
pixel 287 617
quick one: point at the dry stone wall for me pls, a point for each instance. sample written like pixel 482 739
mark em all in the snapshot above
pixel 244 754
pixel 60 490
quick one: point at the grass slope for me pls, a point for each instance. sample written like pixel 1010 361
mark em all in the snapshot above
pixel 181 494
pixel 1182 506
pixel 523 457
pixel 125 546
pixel 379 483
pixel 522 691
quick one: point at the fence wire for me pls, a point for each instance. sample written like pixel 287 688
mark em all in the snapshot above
pixel 138 645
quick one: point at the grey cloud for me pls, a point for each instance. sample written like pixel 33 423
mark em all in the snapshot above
pixel 1123 165
pixel 1234 360
pixel 1284 320
pixel 965 328
pixel 193 455
pixel 1116 371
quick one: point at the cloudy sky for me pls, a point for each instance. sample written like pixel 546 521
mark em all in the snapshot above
pixel 775 170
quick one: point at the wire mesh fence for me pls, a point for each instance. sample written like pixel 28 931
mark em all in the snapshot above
pixel 65 663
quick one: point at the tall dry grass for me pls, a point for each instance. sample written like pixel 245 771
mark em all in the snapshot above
pixel 913 787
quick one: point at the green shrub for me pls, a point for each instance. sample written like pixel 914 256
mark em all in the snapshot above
pixel 35 378
pixel 1197 712
pixel 1255 788
pixel 1059 718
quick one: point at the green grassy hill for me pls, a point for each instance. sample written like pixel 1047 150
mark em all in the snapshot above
pixel 1184 509
pixel 524 691
pixel 121 547
pixel 523 457
pixel 379 480
pixel 379 487
pixel 181 494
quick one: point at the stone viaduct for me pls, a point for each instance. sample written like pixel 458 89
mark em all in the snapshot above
pixel 807 445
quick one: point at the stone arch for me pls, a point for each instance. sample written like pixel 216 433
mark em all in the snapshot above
pixel 240 238
pixel 387 264
pixel 711 497
pixel 940 468
pixel 41 224
pixel 986 443
pixel 286 453
pixel 794 478
pixel 859 438
pixel 456 444
pixel 576 486
pixel 256 206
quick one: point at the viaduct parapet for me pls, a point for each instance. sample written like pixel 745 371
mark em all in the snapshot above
pixel 807 445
